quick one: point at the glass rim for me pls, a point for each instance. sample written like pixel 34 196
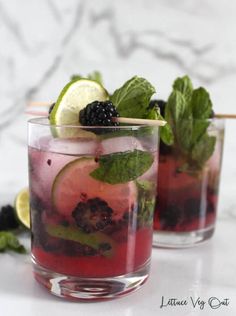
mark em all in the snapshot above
pixel 43 121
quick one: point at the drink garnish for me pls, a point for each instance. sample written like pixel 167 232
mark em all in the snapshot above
pixel 73 105
pixel 188 111
pixel 98 113
pixel 72 99
pixel 122 167
pixel 132 99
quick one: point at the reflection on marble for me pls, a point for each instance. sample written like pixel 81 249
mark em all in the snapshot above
pixel 44 43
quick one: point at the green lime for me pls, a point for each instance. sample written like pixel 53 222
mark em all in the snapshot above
pixel 72 99
pixel 74 181
pixel 22 207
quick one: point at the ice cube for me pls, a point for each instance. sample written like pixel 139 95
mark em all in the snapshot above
pixel 73 146
pixel 44 167
pixel 120 144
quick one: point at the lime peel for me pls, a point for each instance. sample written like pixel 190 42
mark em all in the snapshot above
pixel 75 96
pixel 22 207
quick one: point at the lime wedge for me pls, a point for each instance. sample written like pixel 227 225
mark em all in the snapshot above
pixel 72 99
pixel 22 207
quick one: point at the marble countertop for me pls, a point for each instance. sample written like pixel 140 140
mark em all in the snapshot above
pixel 43 44
pixel 204 275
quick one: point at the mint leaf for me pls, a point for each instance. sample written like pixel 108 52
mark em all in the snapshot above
pixel 201 104
pixel 166 133
pixel 187 112
pixel 184 132
pixel 8 241
pixel 95 76
pixel 76 77
pixel 199 129
pixel 153 114
pixel 133 98
pixel 123 166
pixel 146 202
pixel 176 108
pixel 184 85
pixel 203 150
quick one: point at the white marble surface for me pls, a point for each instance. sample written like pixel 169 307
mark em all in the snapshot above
pixel 204 272
pixel 43 43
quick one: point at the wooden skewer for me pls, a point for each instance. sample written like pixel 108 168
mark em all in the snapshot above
pixel 127 120
pixel 226 116
pixel 137 121
pixel 32 105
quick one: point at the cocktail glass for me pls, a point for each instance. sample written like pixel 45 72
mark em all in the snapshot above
pixel 187 197
pixel 91 238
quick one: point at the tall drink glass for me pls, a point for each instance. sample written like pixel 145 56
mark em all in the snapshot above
pixel 92 196
pixel 187 196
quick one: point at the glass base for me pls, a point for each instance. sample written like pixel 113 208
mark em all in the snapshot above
pixel 168 239
pixel 87 289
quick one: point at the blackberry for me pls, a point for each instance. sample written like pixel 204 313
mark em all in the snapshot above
pixel 92 215
pixel 193 210
pixel 75 249
pixel 7 218
pixel 165 149
pixel 170 217
pixel 98 114
pixel 161 104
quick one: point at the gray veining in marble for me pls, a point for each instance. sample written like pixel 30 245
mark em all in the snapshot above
pixel 44 42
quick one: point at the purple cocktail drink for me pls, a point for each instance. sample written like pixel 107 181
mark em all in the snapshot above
pixel 91 216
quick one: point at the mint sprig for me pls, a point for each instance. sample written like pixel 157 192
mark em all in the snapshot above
pixel 122 167
pixel 146 202
pixel 8 241
pixel 95 76
pixel 165 131
pixel 133 98
pixel 187 112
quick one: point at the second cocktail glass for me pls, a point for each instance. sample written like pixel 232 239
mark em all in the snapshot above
pixel 187 194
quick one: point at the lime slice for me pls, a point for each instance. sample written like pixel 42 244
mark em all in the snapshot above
pixel 72 99
pixel 74 182
pixel 22 207
pixel 94 240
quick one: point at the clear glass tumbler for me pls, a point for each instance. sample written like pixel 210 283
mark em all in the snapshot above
pixel 92 197
pixel 187 195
